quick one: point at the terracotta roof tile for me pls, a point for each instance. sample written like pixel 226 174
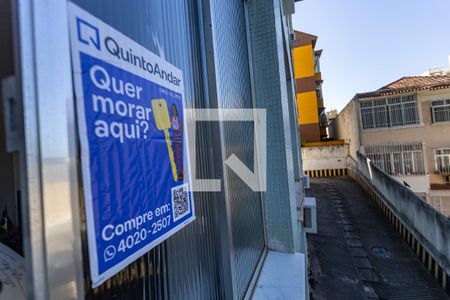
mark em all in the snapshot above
pixel 410 84
pixel 440 186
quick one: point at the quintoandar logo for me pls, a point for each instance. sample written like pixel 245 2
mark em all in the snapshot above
pixel 87 33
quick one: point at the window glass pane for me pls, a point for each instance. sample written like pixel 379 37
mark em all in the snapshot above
pixel 170 29
pixel 381 116
pixel 367 118
pixel 419 167
pixel 446 164
pixel 409 98
pixel 410 114
pixel 440 110
pixel 366 104
pixel 398 163
pixel 442 160
pixel 408 161
pixel 395 112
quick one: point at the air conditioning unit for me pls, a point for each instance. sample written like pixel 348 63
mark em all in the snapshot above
pixel 310 215
pixel 306 181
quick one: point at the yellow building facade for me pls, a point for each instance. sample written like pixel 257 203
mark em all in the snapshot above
pixel 308 81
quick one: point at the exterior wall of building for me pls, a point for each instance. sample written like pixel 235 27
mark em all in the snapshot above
pixel 307 107
pixel 308 80
pixel 432 136
pixel 304 61
pixel 435 135
pixel 346 127
pixel 271 92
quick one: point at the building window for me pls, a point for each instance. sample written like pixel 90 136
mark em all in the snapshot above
pixel 318 93
pixel 442 204
pixel 316 64
pixel 389 112
pixel 440 111
pixel 398 160
pixel 442 160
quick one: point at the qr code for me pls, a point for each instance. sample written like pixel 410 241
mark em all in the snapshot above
pixel 180 201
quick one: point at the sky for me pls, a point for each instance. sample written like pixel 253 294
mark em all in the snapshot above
pixel 370 43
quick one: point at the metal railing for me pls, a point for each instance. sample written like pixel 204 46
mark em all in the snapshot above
pixel 399 159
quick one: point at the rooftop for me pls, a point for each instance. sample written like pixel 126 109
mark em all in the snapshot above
pixel 303 39
pixel 410 84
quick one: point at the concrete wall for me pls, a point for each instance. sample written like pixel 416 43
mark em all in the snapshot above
pixel 325 157
pixel 419 184
pixel 346 127
pixel 430 227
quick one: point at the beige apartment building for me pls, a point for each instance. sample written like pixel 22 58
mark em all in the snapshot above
pixel 404 127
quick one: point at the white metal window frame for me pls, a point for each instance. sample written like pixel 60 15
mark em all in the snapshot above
pixel 384 112
pixel 445 113
pixel 442 160
pixel 398 159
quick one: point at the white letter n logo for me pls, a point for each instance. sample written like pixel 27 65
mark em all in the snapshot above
pixel 256 180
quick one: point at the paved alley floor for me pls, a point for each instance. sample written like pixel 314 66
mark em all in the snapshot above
pixel 357 253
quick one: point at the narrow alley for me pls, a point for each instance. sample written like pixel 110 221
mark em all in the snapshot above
pixel 357 253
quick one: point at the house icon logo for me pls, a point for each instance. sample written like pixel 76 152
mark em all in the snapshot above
pixel 87 33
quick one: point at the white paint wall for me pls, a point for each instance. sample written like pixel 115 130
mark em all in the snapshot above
pixel 325 157
pixel 419 184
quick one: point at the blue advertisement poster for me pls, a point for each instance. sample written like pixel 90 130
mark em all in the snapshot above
pixel 133 150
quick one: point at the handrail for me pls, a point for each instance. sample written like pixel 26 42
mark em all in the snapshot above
pixel 429 226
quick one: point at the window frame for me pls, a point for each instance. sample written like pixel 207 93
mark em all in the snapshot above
pixel 381 111
pixel 446 103
pixel 446 168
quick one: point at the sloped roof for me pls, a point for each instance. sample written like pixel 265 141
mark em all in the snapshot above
pixel 410 84
pixel 303 38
